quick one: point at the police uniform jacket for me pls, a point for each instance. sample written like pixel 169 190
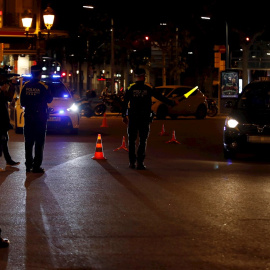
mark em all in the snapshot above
pixel 138 100
pixel 34 98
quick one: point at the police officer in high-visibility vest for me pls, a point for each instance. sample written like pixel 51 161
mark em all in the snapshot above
pixel 137 115
pixel 34 98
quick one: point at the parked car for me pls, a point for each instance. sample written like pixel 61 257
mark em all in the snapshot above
pixel 247 127
pixel 64 115
pixel 194 105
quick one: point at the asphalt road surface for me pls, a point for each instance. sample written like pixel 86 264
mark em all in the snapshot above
pixel 191 209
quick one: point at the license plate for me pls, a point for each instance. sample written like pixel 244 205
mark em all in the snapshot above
pixel 258 139
pixel 54 118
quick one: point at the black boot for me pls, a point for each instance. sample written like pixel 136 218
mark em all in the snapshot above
pixel 141 166
pixel 132 165
pixel 4 242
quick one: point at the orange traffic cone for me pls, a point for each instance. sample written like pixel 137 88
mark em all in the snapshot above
pixel 123 146
pixel 173 139
pixel 104 121
pixel 163 132
pixel 99 149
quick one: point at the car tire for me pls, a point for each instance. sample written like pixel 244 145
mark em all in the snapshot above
pixel 75 131
pixel 87 111
pixel 100 110
pixel 173 116
pixel 228 154
pixel 162 112
pixel 201 112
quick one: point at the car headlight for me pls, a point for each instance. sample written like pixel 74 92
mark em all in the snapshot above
pixel 73 108
pixel 231 122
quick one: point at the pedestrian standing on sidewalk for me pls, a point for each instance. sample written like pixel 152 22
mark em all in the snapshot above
pixel 7 90
pixel 137 115
pixel 34 98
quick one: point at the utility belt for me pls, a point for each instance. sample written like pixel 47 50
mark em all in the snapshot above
pixel 37 114
pixel 142 116
pixel 36 111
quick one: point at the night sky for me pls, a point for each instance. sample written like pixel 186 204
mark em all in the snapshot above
pixel 143 15
pixel 140 12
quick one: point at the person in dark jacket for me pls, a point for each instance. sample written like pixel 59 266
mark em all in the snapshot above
pixel 34 98
pixel 6 95
pixel 137 115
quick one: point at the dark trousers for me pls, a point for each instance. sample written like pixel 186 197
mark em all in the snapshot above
pixel 135 127
pixel 34 137
pixel 4 146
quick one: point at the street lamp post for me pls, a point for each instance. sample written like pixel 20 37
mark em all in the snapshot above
pixel 227 60
pixel 227 47
pixel 226 41
pixel 48 17
pixel 112 54
pixel 112 58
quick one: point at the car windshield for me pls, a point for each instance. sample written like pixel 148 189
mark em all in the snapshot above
pixel 255 97
pixel 58 90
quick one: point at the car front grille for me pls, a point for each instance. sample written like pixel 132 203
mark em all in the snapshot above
pixel 253 129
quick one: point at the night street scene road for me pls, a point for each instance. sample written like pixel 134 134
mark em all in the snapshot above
pixel 200 198
pixel 191 208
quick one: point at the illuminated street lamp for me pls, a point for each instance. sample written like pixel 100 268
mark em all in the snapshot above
pixel 48 17
pixel 90 7
pixel 227 41
pixel 27 20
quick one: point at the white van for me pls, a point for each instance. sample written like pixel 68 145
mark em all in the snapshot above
pixel 64 115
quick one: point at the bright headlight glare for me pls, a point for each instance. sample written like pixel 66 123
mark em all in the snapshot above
pixel 73 108
pixel 232 123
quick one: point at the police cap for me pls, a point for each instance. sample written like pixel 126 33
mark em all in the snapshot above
pixel 139 72
pixel 36 69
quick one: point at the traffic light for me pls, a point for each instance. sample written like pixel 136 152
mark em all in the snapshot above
pixel 146 38
pixel 64 76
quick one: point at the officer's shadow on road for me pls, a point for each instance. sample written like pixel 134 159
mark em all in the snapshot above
pixel 42 223
pixel 5 251
pixel 8 170
pixel 132 189
pixel 4 258
pixel 31 177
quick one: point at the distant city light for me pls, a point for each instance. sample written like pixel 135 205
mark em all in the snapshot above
pixel 205 18
pixel 91 7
